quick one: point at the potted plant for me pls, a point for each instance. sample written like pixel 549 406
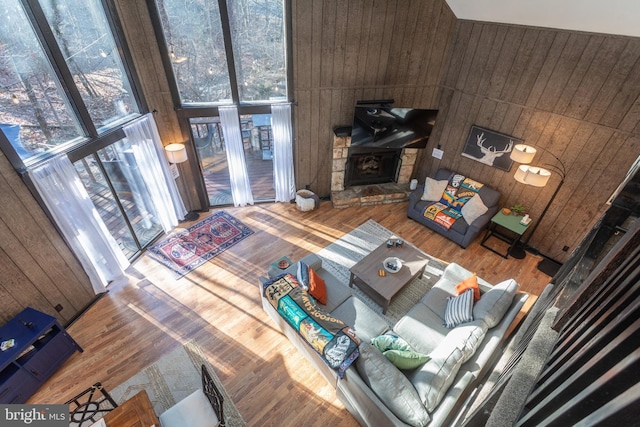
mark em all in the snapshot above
pixel 518 209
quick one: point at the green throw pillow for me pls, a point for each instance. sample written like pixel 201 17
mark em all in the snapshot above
pixel 390 342
pixel 403 359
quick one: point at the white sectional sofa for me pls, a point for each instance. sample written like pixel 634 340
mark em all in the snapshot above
pixel 377 393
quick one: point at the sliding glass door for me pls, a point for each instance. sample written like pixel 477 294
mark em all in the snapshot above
pixel 257 141
pixel 111 177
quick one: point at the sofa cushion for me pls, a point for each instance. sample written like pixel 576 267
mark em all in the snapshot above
pixel 459 309
pixel 473 209
pixel 466 337
pixel 405 359
pixel 390 341
pixel 433 189
pixel 435 377
pixel 194 411
pixel 391 386
pixel 421 328
pixel 438 297
pixel 495 302
pixel 490 197
pixel 366 322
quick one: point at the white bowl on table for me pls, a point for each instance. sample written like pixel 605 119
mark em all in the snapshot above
pixel 392 264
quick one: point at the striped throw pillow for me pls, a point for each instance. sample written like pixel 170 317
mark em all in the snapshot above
pixel 459 309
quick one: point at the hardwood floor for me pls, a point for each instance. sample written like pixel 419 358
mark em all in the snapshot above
pixel 218 306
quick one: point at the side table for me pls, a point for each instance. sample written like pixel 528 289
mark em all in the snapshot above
pixel 512 224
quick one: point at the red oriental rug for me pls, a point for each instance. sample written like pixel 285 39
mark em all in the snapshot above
pixel 189 249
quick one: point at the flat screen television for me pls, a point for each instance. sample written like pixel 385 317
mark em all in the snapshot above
pixel 392 127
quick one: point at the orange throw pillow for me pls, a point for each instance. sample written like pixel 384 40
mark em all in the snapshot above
pixel 470 282
pixel 317 287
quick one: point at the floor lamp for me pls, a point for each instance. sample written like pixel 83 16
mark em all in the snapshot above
pixel 536 176
pixel 177 153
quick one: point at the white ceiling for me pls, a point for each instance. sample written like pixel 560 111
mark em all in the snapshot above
pixel 620 17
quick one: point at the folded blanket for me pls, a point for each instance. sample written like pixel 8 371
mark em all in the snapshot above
pixel 442 214
pixel 328 336
pixel 459 191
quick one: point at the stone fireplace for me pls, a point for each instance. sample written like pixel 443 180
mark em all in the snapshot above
pixel 361 177
pixel 365 167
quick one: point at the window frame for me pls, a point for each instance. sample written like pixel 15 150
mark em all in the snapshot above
pixel 191 110
pixel 91 140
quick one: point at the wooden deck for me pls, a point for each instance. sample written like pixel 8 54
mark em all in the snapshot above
pixel 218 305
pixel 216 175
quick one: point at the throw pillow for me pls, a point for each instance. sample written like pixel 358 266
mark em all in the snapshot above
pixel 403 359
pixel 390 342
pixel 433 189
pixel 303 275
pixel 473 209
pixel 317 287
pixel 459 309
pixel 495 302
pixel 391 386
pixel 470 282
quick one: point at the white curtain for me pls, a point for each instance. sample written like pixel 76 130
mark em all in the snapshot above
pixel 145 144
pixel 73 211
pixel 283 152
pixel 240 186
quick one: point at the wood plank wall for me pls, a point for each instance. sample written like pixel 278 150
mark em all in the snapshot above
pixel 574 94
pixel 344 51
pixel 37 269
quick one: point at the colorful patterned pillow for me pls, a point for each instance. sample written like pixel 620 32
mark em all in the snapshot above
pixel 459 309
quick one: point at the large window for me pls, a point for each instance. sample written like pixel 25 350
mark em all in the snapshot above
pixel 233 53
pixel 63 77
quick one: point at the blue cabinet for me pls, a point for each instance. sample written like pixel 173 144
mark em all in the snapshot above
pixel 42 345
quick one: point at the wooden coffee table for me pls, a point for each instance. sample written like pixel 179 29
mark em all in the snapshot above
pixel 381 289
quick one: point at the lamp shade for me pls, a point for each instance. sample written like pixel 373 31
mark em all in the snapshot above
pixel 538 177
pixel 523 153
pixel 532 175
pixel 176 153
pixel 521 172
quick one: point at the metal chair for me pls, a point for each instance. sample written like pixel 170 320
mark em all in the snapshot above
pixel 202 408
pixel 90 405
pixel 213 394
pixel 204 144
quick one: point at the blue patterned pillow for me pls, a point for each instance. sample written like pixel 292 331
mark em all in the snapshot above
pixel 459 309
pixel 303 275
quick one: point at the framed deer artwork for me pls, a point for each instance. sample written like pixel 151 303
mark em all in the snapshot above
pixel 490 147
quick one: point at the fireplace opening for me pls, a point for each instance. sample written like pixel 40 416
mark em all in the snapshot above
pixel 367 166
